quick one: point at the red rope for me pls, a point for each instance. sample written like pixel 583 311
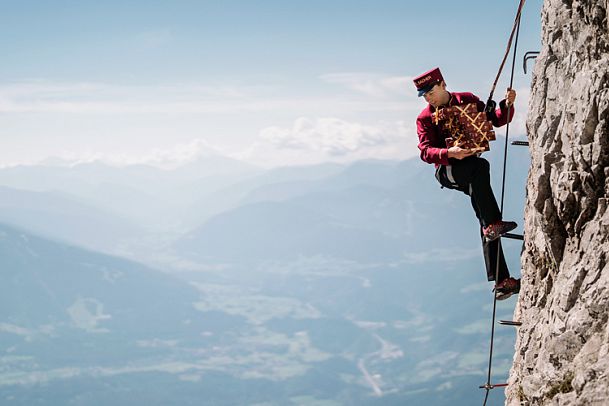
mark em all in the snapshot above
pixel 509 45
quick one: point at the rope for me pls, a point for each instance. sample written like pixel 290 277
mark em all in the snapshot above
pixel 515 29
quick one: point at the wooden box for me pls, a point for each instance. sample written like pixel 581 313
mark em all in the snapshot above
pixel 468 127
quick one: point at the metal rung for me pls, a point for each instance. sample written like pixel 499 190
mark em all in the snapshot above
pixel 510 323
pixel 522 143
pixel 527 56
pixel 513 236
pixel 497 385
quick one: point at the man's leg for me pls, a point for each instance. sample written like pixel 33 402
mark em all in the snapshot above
pixel 473 176
pixel 490 250
pixel 473 173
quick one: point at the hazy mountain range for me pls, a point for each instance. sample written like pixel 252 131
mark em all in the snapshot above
pixel 331 284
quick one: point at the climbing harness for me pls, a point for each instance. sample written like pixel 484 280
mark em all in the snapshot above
pixel 490 105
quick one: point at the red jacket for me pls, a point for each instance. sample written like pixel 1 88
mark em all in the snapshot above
pixel 432 141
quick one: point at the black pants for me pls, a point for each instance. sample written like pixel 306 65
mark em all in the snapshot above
pixel 472 177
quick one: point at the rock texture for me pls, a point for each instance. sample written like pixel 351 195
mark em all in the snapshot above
pixel 562 349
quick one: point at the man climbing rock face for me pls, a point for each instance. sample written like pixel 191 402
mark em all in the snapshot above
pixel 462 169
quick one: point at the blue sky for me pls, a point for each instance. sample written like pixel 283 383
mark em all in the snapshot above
pixel 270 82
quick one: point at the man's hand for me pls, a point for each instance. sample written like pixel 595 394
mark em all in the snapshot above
pixel 510 97
pixel 460 153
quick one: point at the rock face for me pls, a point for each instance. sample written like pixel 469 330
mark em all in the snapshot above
pixel 562 349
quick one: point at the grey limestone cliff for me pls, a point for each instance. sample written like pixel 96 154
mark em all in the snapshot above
pixel 562 348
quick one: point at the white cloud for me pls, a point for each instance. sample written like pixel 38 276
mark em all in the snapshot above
pixel 331 136
pixel 518 125
pixel 374 85
pixel 101 98
pixel 441 255
pixel 448 385
pixel 167 158
pixel 191 98
pixel 123 124
pixel 86 313
pixel 13 329
pixel 312 140
pixel 175 156
pixel 477 327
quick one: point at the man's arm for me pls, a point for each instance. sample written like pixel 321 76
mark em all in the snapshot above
pixel 429 141
pixel 506 105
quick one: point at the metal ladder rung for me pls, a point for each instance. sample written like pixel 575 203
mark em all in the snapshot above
pixel 493 386
pixel 527 56
pixel 522 143
pixel 510 323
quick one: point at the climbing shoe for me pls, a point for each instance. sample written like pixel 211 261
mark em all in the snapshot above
pixel 497 229
pixel 507 288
